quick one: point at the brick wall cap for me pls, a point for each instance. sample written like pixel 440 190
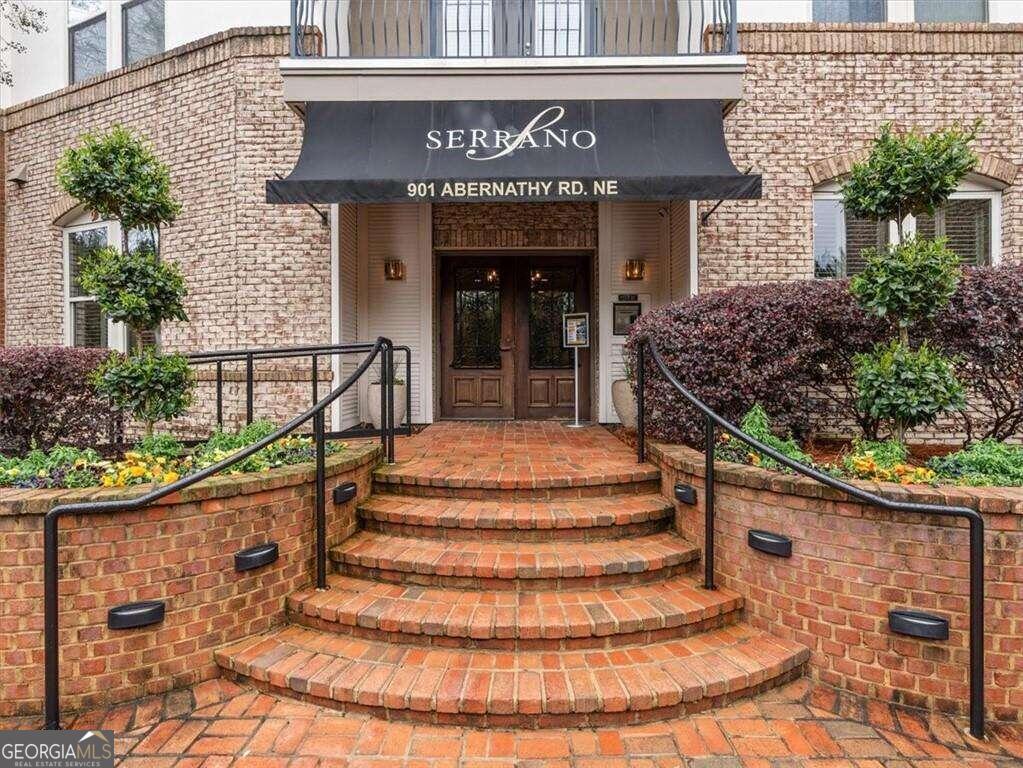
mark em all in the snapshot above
pixel 962 27
pixel 39 501
pixel 989 500
pixel 911 39
pixel 1000 172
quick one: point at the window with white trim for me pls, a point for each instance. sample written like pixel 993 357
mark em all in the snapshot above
pixel 85 324
pixel 970 220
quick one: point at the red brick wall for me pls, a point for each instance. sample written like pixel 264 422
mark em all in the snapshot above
pixel 851 563
pixel 812 91
pixel 181 552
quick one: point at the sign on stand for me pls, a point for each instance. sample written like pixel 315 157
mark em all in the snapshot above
pixel 576 336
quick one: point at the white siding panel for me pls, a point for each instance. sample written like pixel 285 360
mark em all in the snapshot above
pixel 349 249
pixel 634 230
pixel 395 308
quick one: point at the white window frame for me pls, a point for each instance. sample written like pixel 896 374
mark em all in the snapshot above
pixel 117 333
pixel 969 189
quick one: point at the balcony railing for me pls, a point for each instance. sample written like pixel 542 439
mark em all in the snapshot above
pixel 471 29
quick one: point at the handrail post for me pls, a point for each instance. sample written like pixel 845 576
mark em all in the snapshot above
pixel 249 388
pixel 977 626
pixel 708 506
pixel 321 501
pixel 220 394
pixel 390 404
pixel 408 389
pixel 640 404
pixel 316 380
pixel 383 399
pixel 51 659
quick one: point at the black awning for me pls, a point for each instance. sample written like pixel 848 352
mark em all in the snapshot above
pixel 513 150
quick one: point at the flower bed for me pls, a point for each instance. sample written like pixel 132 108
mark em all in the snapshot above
pixel 157 459
pixel 988 462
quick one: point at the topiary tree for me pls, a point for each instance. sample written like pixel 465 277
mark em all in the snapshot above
pixel 117 176
pixel 909 281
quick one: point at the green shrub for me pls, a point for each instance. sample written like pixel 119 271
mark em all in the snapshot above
pixel 757 424
pixel 909 173
pixel 906 387
pixel 117 176
pixel 988 462
pixel 136 288
pixel 161 445
pixel 149 386
pixel 911 281
pixel 907 282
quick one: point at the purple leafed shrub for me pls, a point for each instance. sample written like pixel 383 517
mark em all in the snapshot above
pixel 782 345
pixel 46 398
pixel 789 347
pixel 983 328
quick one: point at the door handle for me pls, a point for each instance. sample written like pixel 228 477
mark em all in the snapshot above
pixel 505 349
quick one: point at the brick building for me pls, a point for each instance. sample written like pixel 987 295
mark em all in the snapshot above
pixel 799 102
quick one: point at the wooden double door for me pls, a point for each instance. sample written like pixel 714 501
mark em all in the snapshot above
pixel 501 335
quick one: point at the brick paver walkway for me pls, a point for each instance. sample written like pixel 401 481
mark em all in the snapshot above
pixel 217 724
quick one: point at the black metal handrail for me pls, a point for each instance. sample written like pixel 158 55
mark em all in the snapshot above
pixel 713 420
pixel 382 347
pixel 314 352
pixel 511 28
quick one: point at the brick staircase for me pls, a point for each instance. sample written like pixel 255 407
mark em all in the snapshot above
pixel 486 591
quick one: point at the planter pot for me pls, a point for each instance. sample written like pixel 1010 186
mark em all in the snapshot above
pixel 624 402
pixel 375 409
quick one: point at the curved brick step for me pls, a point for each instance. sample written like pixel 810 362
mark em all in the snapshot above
pixel 515 620
pixel 419 478
pixel 604 517
pixel 513 565
pixel 496 688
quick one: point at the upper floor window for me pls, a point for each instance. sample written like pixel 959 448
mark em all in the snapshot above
pixel 142 25
pixel 841 11
pixel 925 11
pixel 970 220
pixel 87 39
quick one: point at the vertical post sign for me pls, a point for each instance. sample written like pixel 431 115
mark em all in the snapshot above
pixel 576 336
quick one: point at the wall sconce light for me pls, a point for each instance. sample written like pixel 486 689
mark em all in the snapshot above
pixel 394 269
pixel 635 269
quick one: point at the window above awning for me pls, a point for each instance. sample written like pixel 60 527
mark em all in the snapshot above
pixel 528 151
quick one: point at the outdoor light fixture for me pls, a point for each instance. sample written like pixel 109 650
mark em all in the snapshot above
pixel 635 269
pixel 394 269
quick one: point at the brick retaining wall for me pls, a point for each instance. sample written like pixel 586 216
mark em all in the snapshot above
pixel 851 563
pixel 180 551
